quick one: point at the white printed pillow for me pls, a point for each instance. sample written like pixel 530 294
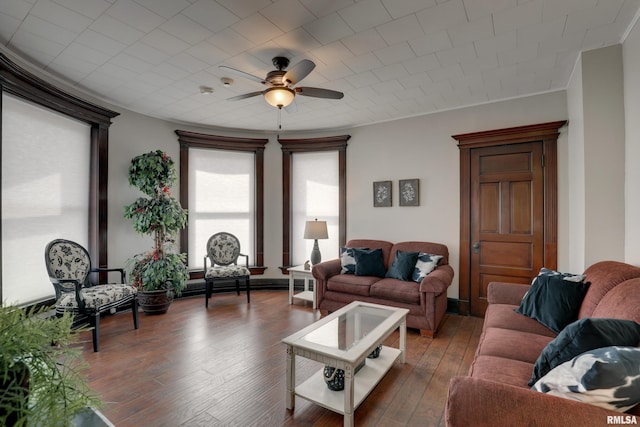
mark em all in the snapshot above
pixel 348 260
pixel 569 277
pixel 608 377
pixel 426 264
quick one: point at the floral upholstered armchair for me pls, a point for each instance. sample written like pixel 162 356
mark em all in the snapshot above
pixel 223 251
pixel 69 266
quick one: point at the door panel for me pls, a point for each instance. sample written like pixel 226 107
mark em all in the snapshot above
pixel 507 210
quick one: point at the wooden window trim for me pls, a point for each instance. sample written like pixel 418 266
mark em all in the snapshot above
pixel 291 146
pixel 18 82
pixel 188 140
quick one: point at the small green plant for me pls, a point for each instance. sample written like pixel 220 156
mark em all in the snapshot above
pixel 161 216
pixel 40 370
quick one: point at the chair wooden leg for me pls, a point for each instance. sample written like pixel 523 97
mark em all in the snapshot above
pixel 238 286
pixel 207 292
pixel 96 332
pixel 134 309
pixel 247 280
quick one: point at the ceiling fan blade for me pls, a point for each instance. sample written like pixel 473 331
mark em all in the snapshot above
pixel 317 92
pixel 244 96
pixel 243 74
pixel 298 72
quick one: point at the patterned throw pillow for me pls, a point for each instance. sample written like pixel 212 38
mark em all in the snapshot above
pixel 426 264
pixel 608 377
pixel 348 260
pixel 569 277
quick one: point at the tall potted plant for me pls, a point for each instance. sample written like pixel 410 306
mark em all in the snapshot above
pixel 160 273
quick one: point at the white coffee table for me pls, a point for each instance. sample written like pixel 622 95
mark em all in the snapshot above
pixel 306 295
pixel 343 340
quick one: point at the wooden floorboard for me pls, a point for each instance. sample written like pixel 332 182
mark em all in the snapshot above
pixel 225 366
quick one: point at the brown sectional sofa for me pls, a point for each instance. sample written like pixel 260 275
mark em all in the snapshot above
pixel 495 392
pixel 426 301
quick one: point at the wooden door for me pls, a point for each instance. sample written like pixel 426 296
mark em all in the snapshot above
pixel 506 217
pixel 508 208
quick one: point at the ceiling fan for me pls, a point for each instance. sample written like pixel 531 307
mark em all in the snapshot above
pixel 282 89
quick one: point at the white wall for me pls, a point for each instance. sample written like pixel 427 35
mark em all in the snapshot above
pixel 631 63
pixel 419 147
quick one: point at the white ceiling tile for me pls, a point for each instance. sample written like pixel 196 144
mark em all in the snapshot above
pixel 84 53
pixel 287 14
pixel 548 30
pixel 602 36
pixel 73 71
pixel 602 14
pixel 332 53
pixel 164 8
pixel 146 53
pixel 483 9
pixel 529 13
pixel 257 28
pixel 477 65
pixel 334 72
pixel 323 8
pixel 421 63
pixel 172 71
pixel 365 41
pixel 444 73
pixel 365 79
pixel 35 47
pixel 115 29
pixel 164 42
pixel 441 16
pixel 130 62
pixel 401 30
pixel 430 43
pixel 499 43
pixel 328 29
pixel 400 8
pixel 100 42
pixel 118 72
pixel 537 65
pixel 187 62
pixel 522 54
pixel 244 8
pixel 393 54
pixel 208 53
pixel 390 72
pixel 61 16
pixel 457 54
pixel 230 41
pixel 15 8
pixel 365 14
pixel 481 28
pixel 297 40
pixel 185 29
pixel 554 9
pixel 8 26
pixel 47 30
pixel 210 15
pixel 134 15
pixel 89 8
pixel 362 63
pixel 415 80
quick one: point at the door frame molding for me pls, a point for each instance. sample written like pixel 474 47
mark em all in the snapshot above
pixel 547 133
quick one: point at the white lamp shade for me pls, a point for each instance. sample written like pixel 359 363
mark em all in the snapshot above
pixel 316 230
pixel 279 96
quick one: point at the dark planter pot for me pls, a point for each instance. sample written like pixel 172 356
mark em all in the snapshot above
pixel 155 302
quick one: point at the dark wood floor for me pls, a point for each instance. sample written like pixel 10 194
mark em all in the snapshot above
pixel 225 367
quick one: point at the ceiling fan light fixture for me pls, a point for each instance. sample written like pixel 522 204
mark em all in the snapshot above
pixel 279 96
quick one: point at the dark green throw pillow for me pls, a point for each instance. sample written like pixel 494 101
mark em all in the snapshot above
pixel 403 265
pixel 369 262
pixel 584 335
pixel 553 301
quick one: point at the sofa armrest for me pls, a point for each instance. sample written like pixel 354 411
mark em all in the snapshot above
pixel 506 293
pixel 327 269
pixel 438 280
pixel 480 402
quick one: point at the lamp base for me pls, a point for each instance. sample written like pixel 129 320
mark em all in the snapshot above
pixel 315 253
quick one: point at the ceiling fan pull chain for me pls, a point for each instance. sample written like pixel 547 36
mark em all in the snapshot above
pixel 279 118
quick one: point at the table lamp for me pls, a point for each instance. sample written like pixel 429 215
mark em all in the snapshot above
pixel 315 230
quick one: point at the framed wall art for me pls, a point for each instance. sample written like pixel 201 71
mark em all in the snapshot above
pixel 381 194
pixel 409 192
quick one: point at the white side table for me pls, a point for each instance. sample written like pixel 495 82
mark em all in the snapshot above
pixel 298 272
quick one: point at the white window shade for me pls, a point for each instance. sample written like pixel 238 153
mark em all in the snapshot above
pixel 314 194
pixel 45 193
pixel 221 198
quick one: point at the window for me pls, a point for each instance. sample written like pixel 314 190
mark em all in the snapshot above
pixel 221 198
pixel 314 195
pixel 314 186
pixel 54 179
pixel 222 186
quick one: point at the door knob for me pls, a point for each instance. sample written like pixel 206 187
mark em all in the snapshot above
pixel 476 247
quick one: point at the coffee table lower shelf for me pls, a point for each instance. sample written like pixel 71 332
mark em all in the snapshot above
pixel 315 389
